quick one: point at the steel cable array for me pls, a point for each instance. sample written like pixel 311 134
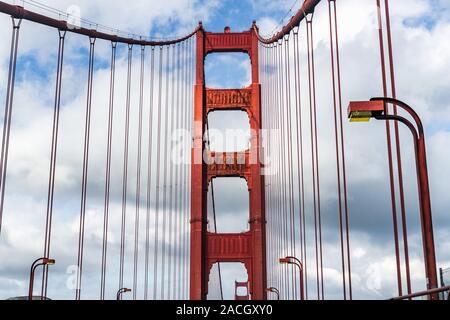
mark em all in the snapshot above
pixel 157 109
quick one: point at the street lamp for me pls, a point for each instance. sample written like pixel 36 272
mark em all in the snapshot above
pixel 119 293
pixel 377 108
pixel 34 265
pixel 295 261
pixel 274 290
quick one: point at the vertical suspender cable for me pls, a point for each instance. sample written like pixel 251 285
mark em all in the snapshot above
pixel 319 215
pixel 125 168
pixel 311 112
pixel 171 187
pixel 271 137
pixel 266 157
pixel 286 184
pixel 138 177
pixel 398 149
pixel 284 162
pixel 272 161
pixel 269 164
pixel 315 159
pixel 8 111
pixel 290 166
pixel 278 151
pixel 262 77
pixel 275 165
pixel 283 113
pixel 53 154
pixel 344 173
pixel 87 132
pixel 273 154
pixel 186 200
pixel 282 168
pixel 265 84
pixel 108 170
pixel 158 163
pixel 188 120
pixel 338 165
pixel 178 186
pixel 164 210
pixel 149 173
pixel 278 166
pixel 177 242
pixel 278 182
pixel 390 157
pixel 190 106
pixel 183 172
pixel 300 162
pixel 344 176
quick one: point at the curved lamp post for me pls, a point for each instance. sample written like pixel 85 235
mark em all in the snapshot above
pixel 360 111
pixel 294 261
pixel 274 290
pixel 119 293
pixel 37 263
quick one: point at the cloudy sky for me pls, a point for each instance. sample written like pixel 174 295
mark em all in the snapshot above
pixel 421 29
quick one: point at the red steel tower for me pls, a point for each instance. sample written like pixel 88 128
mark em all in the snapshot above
pixel 249 247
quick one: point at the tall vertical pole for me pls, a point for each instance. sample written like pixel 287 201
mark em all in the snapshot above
pixel 198 181
pixel 427 222
pixel 257 216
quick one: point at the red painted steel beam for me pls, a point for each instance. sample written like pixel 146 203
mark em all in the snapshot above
pixel 307 8
pixel 228 99
pixel 229 164
pixel 228 42
pixel 19 12
pixel 229 247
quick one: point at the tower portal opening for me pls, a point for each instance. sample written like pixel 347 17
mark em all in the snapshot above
pixel 229 272
pixel 231 204
pixel 229 131
pixel 227 70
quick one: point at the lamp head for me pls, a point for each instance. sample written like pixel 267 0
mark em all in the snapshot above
pixel 48 262
pixel 285 260
pixel 362 111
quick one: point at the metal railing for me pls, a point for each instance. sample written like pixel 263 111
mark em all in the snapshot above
pixel 425 293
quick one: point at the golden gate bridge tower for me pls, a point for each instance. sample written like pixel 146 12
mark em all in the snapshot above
pixel 208 248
